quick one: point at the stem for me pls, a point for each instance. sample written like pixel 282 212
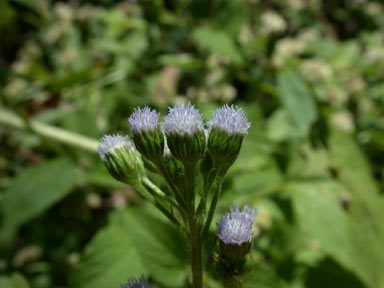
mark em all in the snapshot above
pixel 197 267
pixel 164 172
pixel 44 130
pixel 216 193
pixel 196 262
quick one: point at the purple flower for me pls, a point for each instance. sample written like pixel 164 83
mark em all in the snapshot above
pixel 136 283
pixel 230 119
pixel 183 120
pixel 109 143
pixel 143 119
pixel 236 226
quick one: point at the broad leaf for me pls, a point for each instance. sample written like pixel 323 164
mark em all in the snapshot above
pixel 134 243
pixel 217 41
pixel 297 99
pixel 35 190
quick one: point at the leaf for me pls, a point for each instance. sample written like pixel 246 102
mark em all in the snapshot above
pixel 139 243
pixel 14 281
pixel 331 229
pixel 297 99
pixel 35 190
pixel 108 260
pixel 217 41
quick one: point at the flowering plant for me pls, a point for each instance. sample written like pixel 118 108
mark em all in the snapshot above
pixel 183 150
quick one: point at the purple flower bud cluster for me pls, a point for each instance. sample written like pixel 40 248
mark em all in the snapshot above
pixel 236 226
pixel 230 119
pixel 143 119
pixel 136 283
pixel 109 143
pixel 183 120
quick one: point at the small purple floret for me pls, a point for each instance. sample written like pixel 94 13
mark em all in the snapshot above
pixel 143 119
pixel 136 283
pixel 183 120
pixel 230 119
pixel 108 143
pixel 236 226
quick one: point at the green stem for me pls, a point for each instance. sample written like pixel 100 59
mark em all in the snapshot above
pixel 216 193
pixel 164 172
pixel 197 267
pixel 47 131
pixel 196 262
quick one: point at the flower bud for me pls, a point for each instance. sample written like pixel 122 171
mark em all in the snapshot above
pixel 121 158
pixel 136 283
pixel 184 128
pixel 147 135
pixel 235 233
pixel 227 129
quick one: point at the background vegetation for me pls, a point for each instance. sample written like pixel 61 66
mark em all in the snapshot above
pixel 309 75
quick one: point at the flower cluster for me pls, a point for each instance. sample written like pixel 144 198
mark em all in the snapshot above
pixel 179 148
pixel 236 226
pixel 235 233
pixel 231 120
pixel 143 119
pixel 183 120
pixel 136 283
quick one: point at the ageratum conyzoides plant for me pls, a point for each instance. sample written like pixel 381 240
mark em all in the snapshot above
pixel 186 151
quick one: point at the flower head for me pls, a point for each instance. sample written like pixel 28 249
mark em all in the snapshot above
pixel 183 120
pixel 109 143
pixel 121 158
pixel 235 228
pixel 230 119
pixel 147 135
pixel 143 119
pixel 136 283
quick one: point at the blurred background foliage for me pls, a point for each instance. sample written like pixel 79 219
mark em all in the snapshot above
pixel 309 74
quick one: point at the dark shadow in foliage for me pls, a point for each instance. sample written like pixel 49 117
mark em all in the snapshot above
pixel 330 274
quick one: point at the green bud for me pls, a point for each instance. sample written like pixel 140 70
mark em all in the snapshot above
pixel 150 144
pixel 224 148
pixel 121 159
pixel 187 148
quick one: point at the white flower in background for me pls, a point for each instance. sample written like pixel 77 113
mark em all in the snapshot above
pixel 344 121
pixel 285 49
pixel 315 69
pixel 272 22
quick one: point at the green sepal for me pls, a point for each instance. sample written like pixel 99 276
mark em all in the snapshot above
pixel 224 148
pixel 234 252
pixel 175 170
pixel 125 165
pixel 150 144
pixel 187 148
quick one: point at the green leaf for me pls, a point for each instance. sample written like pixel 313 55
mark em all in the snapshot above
pixel 217 41
pixel 297 99
pixel 14 281
pixel 329 228
pixel 108 260
pixel 35 190
pixel 135 242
